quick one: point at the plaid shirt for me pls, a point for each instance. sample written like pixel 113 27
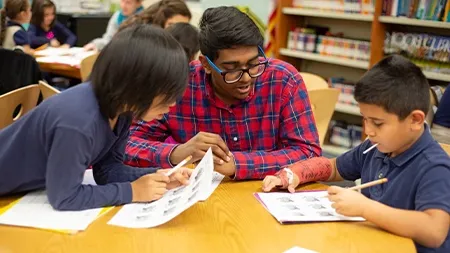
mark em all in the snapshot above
pixel 274 127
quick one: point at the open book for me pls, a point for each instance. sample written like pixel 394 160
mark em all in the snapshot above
pixel 296 207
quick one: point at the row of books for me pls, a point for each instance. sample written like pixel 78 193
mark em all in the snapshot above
pixel 418 46
pixel 436 10
pixel 328 45
pixel 346 88
pixel 345 135
pixel 347 6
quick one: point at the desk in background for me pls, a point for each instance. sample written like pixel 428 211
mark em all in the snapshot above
pixel 85 26
pixel 231 220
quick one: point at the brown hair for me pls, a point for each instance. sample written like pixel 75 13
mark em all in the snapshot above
pixel 11 9
pixel 158 13
pixel 37 9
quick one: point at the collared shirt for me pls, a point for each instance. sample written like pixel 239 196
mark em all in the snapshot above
pixel 272 128
pixel 419 178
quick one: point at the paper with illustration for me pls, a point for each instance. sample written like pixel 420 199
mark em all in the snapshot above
pixel 174 202
pixel 301 207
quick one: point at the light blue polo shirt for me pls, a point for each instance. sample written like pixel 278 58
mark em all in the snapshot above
pixel 419 178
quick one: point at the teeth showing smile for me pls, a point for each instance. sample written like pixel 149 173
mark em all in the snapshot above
pixel 244 89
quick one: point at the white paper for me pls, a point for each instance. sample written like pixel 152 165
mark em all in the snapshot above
pixel 89 178
pixel 174 202
pixel 299 250
pixel 301 207
pixel 67 56
pixel 216 179
pixel 34 210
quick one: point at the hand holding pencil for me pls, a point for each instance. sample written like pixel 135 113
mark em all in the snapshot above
pixel 349 202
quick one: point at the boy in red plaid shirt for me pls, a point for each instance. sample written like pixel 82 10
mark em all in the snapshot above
pixel 252 111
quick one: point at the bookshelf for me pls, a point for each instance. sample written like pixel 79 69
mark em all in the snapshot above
pixel 414 22
pixel 327 14
pixel 326 59
pixel 372 27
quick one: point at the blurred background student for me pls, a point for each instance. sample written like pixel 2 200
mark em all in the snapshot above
pixel 127 8
pixel 14 22
pixel 163 13
pixel 187 35
pixel 45 29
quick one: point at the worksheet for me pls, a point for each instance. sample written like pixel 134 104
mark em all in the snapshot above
pixel 34 210
pixel 309 206
pixel 174 202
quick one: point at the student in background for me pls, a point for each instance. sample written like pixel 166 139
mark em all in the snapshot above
pixel 441 122
pixel 14 22
pixel 415 202
pixel 187 35
pixel 127 8
pixel 163 14
pixel 45 29
pixel 139 74
pixel 252 111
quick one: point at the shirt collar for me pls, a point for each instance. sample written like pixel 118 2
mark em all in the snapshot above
pixel 13 23
pixel 422 143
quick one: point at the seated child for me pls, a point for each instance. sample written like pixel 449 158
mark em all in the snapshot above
pixel 45 29
pixel 187 35
pixel 51 146
pixel 415 202
pixel 14 22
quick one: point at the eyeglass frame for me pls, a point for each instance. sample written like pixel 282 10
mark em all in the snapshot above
pixel 223 73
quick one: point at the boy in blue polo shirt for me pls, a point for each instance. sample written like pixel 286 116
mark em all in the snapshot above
pixel 415 202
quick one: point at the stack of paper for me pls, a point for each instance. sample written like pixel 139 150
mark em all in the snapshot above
pixel 68 56
pixel 174 202
pixel 301 207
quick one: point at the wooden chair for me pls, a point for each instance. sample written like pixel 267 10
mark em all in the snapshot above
pixel 323 102
pixel 47 90
pixel 313 82
pixel 26 98
pixel 446 147
pixel 86 66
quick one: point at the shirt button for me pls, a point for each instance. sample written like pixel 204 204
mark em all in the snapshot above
pixel 235 139
pixel 380 175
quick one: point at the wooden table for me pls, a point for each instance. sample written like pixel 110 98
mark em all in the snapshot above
pixel 61 69
pixel 231 220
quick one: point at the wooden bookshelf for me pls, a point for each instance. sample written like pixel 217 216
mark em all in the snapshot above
pixel 327 14
pixel 334 150
pixel 325 58
pixel 414 22
pixel 348 109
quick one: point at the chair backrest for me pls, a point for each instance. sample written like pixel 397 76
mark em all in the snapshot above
pixel 47 90
pixel 446 147
pixel 26 98
pixel 86 66
pixel 430 115
pixel 323 102
pixel 313 82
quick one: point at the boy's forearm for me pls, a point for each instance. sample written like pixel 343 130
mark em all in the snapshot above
pixel 417 225
pixel 316 169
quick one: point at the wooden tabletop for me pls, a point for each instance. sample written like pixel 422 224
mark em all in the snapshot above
pixel 231 220
pixel 60 69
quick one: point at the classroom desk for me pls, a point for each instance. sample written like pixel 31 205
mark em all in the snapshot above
pixel 231 220
pixel 61 69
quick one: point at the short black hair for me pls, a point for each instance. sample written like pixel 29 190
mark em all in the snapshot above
pixel 227 27
pixel 187 35
pixel 395 84
pixel 140 63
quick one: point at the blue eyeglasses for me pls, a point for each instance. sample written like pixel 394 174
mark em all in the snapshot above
pixel 253 70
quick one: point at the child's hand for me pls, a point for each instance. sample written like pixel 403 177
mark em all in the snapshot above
pixel 65 46
pixel 271 182
pixel 347 202
pixel 149 187
pixel 178 178
pixel 54 43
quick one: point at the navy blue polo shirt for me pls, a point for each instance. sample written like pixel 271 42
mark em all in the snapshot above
pixel 419 178
pixel 21 37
